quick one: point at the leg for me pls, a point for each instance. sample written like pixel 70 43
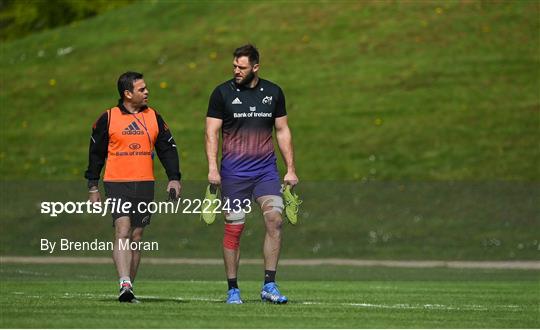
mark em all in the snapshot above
pixel 136 236
pixel 233 190
pixel 272 207
pixel 234 225
pixel 139 221
pixel 231 259
pixel 122 257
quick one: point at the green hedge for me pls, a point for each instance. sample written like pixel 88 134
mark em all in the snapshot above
pixel 20 18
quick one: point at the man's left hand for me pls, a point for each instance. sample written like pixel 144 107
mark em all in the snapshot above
pixel 175 184
pixel 291 179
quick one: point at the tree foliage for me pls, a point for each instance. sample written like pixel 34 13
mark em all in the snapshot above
pixel 22 17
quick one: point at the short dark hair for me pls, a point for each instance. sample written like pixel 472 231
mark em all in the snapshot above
pixel 248 50
pixel 126 80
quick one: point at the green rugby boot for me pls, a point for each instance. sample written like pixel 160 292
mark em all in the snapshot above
pixel 292 202
pixel 209 205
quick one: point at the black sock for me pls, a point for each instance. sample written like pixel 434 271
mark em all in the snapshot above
pixel 233 283
pixel 269 276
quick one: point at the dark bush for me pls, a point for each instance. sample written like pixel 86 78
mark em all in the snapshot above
pixel 22 17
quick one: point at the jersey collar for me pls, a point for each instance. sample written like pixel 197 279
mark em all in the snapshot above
pixel 124 110
pixel 242 87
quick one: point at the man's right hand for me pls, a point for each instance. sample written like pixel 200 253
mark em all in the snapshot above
pixel 93 195
pixel 214 177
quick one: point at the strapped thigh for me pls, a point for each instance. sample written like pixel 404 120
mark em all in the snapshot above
pixel 274 202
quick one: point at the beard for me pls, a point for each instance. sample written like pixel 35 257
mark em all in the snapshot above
pixel 247 80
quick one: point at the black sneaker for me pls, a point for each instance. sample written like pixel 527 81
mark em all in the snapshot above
pixel 126 293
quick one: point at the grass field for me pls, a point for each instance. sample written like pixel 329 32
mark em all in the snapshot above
pixel 404 221
pixel 68 296
pixel 415 123
pixel 378 90
pixel 416 129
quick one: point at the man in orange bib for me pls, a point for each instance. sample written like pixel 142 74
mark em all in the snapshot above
pixel 124 138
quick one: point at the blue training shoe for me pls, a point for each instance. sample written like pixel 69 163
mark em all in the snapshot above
pixel 233 296
pixel 270 292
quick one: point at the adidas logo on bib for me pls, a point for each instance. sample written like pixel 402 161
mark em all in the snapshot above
pixel 132 129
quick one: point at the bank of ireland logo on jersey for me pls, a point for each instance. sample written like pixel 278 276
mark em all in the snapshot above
pixel 252 108
pixel 236 101
pixel 267 100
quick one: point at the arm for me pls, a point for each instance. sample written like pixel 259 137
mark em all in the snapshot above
pixel 284 140
pixel 168 155
pixel 213 126
pixel 214 122
pixel 97 153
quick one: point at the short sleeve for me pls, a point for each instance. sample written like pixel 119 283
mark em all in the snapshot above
pixel 280 105
pixel 216 106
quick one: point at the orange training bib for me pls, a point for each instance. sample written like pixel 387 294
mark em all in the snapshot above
pixel 131 144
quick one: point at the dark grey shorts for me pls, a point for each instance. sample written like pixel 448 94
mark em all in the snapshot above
pixel 135 193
